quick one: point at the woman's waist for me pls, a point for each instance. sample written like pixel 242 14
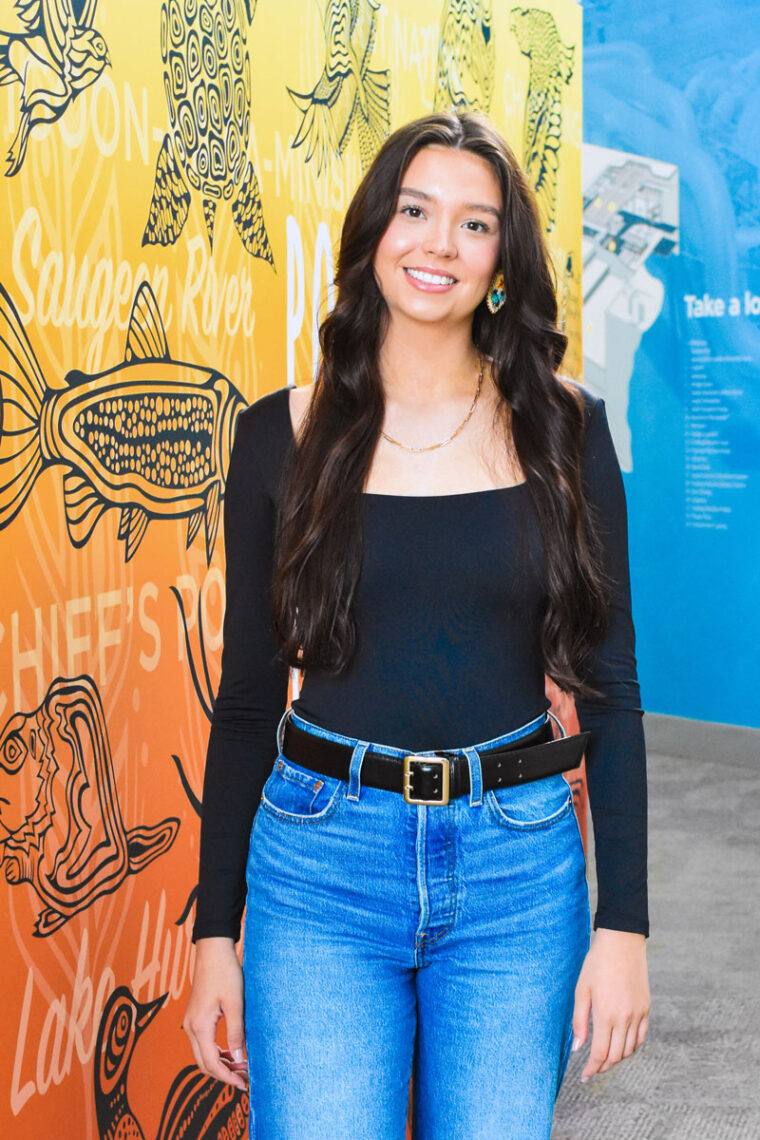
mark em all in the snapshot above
pixel 403 726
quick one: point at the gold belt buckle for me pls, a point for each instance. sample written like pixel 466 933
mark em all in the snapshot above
pixel 408 760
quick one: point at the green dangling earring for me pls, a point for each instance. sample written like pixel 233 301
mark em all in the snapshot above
pixel 497 292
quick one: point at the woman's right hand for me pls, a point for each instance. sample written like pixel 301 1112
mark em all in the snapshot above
pixel 217 991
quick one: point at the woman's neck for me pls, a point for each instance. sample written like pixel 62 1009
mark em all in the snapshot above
pixel 429 367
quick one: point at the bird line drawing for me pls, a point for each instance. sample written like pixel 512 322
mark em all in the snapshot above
pixel 466 69
pixel 151 436
pixel 551 69
pixel 57 57
pixel 348 94
pixel 196 1106
pixel 207 80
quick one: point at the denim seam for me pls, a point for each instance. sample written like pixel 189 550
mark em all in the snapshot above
pixel 577 824
pixel 451 918
pixel 585 862
pixel 504 820
pixel 564 1059
pixel 420 845
pixel 328 810
pixel 313 783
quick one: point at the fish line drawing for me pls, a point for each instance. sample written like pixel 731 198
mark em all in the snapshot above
pixel 348 93
pixel 207 80
pixel 61 827
pixel 551 69
pixel 196 1105
pixel 466 68
pixel 57 57
pixel 150 437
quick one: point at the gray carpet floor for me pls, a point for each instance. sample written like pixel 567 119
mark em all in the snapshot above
pixel 697 1075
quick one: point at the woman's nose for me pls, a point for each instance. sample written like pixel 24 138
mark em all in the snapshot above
pixel 439 240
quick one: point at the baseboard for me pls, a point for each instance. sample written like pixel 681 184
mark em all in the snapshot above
pixel 702 740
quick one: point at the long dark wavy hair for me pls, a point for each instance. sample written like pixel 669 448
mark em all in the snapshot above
pixel 318 548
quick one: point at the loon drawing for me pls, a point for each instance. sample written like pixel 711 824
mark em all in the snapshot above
pixel 196 1106
pixel 551 69
pixel 150 437
pixel 349 93
pixel 207 79
pixel 466 57
pixel 122 1023
pixel 59 56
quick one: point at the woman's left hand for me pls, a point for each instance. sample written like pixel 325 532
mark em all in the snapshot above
pixel 614 983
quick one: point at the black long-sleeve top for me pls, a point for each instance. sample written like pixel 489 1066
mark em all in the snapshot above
pixel 448 610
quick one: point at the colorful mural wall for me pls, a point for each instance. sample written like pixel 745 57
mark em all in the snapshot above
pixel 175 177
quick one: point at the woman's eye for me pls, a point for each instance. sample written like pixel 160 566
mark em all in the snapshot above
pixel 482 228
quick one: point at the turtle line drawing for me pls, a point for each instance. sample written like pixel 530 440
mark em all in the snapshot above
pixel 207 80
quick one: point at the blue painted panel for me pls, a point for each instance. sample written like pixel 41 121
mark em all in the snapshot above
pixel 680 84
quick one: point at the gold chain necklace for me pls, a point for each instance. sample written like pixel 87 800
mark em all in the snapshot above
pixel 433 446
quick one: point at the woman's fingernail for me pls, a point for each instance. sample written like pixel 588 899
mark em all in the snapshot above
pixel 576 1044
pixel 237 1054
pixel 583 1080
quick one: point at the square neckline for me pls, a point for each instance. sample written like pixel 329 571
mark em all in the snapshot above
pixel 418 498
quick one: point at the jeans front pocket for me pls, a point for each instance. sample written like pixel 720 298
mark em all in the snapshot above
pixel 528 807
pixel 299 794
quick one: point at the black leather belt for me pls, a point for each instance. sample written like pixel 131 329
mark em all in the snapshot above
pixel 446 775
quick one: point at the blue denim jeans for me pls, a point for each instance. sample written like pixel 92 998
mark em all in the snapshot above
pixel 384 939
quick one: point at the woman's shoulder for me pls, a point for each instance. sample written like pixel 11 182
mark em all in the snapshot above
pixel 266 429
pixel 267 413
pixel 588 399
pixel 300 400
pixel 278 414
pixel 263 430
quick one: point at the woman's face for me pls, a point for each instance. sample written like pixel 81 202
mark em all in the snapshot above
pixel 445 224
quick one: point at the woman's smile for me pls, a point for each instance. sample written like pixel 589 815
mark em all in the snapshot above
pixel 429 281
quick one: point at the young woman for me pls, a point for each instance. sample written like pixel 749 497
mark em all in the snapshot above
pixel 428 531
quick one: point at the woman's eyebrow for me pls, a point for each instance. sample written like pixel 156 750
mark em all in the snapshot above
pixel 483 208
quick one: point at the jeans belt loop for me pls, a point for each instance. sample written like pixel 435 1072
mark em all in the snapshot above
pixel 476 776
pixel 354 772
